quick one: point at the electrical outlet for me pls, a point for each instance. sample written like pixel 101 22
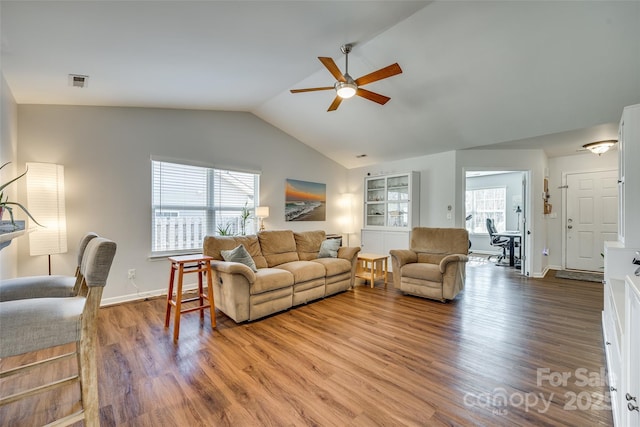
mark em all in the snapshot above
pixel 131 274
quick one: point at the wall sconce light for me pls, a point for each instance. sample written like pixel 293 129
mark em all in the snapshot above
pixel 262 212
pixel 45 199
pixel 600 147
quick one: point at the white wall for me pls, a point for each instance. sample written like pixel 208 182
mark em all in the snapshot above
pixel 106 152
pixel 583 162
pixel 8 153
pixel 437 190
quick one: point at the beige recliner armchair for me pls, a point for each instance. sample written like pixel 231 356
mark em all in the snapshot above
pixel 434 266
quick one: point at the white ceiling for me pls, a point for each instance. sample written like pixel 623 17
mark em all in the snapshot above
pixel 526 74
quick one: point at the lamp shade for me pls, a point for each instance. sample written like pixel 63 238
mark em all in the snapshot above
pixel 45 200
pixel 262 211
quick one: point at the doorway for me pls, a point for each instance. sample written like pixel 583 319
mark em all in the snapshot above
pixel 591 218
pixel 501 196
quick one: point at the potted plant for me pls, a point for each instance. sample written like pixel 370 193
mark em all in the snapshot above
pixel 5 204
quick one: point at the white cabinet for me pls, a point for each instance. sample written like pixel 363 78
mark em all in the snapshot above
pixel 391 210
pixel 391 202
pixel 629 177
pixel 621 314
pixel 631 381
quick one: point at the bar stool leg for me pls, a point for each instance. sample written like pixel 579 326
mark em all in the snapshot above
pixel 169 295
pixel 210 297
pixel 200 267
pixel 176 320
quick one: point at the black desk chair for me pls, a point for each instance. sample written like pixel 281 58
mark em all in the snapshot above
pixel 497 241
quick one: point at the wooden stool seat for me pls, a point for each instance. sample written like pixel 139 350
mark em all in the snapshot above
pixel 186 264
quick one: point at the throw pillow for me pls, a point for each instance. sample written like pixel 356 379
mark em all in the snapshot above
pixel 329 248
pixel 239 254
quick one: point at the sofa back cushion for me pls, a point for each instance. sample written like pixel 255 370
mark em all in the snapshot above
pixel 214 244
pixel 433 244
pixel 278 247
pixel 308 244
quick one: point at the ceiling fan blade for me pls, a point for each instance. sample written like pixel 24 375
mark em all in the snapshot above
pixel 335 104
pixel 332 67
pixel 311 89
pixel 372 96
pixel 382 73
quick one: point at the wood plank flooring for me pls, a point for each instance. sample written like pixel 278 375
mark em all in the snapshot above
pixel 366 357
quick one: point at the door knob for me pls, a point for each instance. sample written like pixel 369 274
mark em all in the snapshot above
pixel 632 407
pixel 569 227
pixel 629 397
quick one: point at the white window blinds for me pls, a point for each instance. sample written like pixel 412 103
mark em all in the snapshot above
pixel 190 202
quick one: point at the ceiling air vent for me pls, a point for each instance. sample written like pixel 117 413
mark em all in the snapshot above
pixel 78 80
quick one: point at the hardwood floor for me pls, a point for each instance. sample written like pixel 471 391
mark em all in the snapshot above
pixel 493 357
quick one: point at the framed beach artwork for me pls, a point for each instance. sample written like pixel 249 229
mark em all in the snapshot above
pixel 305 201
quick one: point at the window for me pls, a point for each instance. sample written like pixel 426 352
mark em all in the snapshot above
pixel 189 202
pixel 485 203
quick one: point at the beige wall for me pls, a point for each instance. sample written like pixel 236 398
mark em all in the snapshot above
pixel 106 152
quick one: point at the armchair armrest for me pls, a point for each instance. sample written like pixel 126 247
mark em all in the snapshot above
pixel 400 257
pixel 452 258
pixel 234 268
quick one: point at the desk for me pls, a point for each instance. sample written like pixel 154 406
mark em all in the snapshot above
pixel 512 236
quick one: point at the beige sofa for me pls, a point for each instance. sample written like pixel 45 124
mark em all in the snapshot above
pixel 289 272
pixel 435 265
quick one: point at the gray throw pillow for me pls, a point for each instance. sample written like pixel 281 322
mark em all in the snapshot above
pixel 329 248
pixel 241 255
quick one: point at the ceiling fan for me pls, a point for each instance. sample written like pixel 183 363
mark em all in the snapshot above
pixel 346 86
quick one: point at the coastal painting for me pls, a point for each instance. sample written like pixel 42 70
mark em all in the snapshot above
pixel 305 201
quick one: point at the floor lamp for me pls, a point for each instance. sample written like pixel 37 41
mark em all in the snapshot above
pixel 45 200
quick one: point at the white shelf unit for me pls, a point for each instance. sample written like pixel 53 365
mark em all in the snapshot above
pixel 621 313
pixel 391 202
pixel 391 210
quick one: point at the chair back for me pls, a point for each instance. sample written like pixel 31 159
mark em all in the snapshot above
pixel 492 230
pixel 440 241
pixel 97 260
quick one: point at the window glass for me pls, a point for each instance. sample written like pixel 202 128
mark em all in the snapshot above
pixel 484 203
pixel 189 202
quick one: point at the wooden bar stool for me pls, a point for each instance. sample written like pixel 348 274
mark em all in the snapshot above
pixel 185 264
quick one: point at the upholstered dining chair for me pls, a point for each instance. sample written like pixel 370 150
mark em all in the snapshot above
pixel 46 286
pixel 34 324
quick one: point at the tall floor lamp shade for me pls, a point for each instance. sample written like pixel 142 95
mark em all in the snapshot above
pixel 45 201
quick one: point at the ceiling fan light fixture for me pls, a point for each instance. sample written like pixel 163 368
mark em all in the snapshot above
pixel 346 89
pixel 600 147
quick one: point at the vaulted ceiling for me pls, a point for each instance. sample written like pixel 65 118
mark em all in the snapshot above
pixel 523 74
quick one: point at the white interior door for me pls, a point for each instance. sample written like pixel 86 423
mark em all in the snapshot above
pixel 592 218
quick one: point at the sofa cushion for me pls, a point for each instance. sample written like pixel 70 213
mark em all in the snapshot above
pixel 269 279
pixel 214 244
pixel 239 254
pixel 308 244
pixel 422 271
pixel 329 248
pixel 334 266
pixel 304 270
pixel 278 247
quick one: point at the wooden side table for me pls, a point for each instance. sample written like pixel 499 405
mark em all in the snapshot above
pixel 186 264
pixel 372 267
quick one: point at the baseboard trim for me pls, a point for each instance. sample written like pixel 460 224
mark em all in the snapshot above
pixel 141 296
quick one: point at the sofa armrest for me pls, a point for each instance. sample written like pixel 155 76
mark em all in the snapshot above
pixel 234 268
pixel 348 252
pixel 452 258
